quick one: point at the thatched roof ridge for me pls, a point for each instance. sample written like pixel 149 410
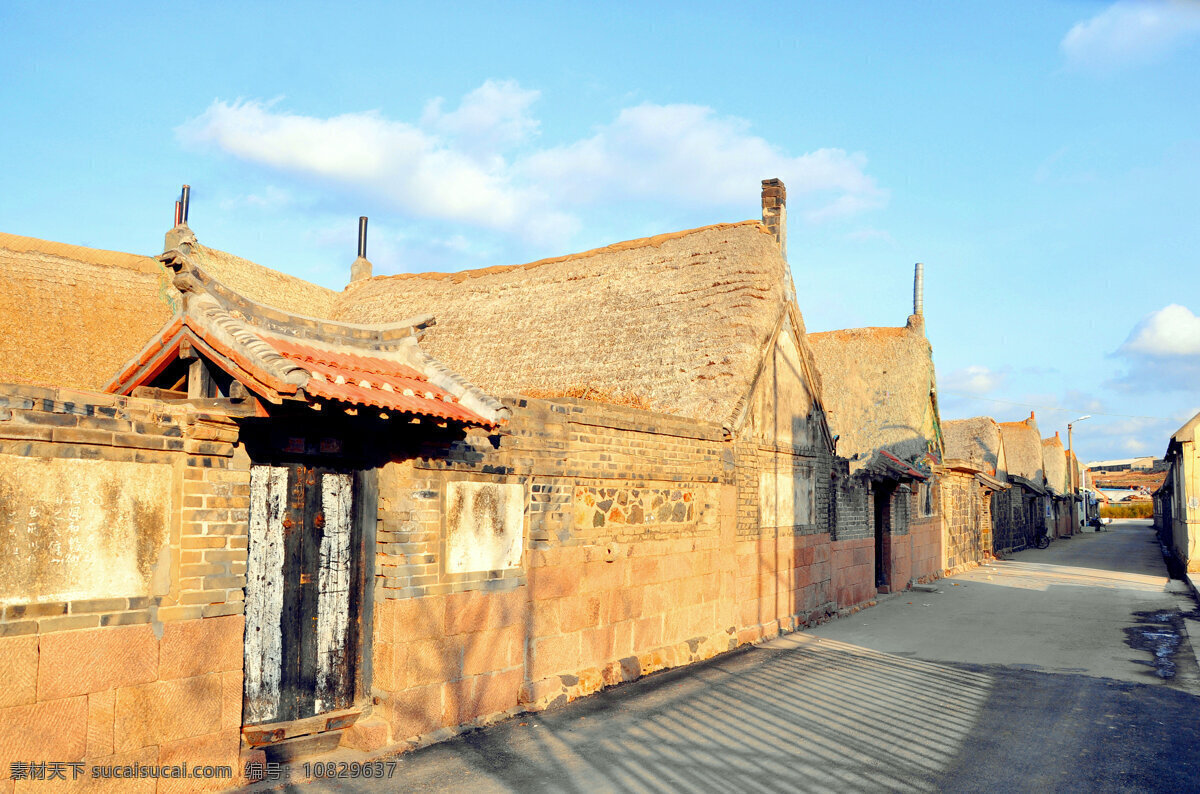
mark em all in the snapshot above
pixel 1023 449
pixel 877 386
pixel 16 243
pixel 975 440
pixel 1054 461
pixel 674 323
pixel 70 315
pixel 264 285
pixel 656 241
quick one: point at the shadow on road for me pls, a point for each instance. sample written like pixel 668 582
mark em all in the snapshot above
pixel 802 715
pixel 811 714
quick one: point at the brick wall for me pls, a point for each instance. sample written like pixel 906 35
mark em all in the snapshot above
pixel 852 517
pixel 925 531
pixel 153 675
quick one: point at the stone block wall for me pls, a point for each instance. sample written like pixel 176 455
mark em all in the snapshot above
pixel 646 549
pixel 966 521
pixel 1008 520
pixel 145 666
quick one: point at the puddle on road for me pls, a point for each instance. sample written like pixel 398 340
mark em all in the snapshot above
pixel 1159 634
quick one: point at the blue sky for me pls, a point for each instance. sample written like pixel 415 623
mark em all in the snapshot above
pixel 1041 158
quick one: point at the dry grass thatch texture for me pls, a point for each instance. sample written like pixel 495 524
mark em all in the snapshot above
pixel 264 285
pixel 592 394
pixel 675 323
pixel 71 316
pixel 1023 449
pixel 1054 463
pixel 876 385
pixel 976 440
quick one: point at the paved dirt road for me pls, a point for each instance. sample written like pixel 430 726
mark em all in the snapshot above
pixel 1067 669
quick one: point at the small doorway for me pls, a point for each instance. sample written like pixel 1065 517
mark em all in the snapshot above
pixel 882 496
pixel 304 595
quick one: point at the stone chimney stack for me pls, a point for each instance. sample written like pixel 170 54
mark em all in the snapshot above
pixel 361 269
pixel 180 232
pixel 916 320
pixel 919 290
pixel 774 211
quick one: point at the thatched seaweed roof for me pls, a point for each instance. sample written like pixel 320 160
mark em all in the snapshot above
pixel 70 315
pixel 1023 449
pixel 264 285
pixel 877 386
pixel 1054 461
pixel 976 440
pixel 675 323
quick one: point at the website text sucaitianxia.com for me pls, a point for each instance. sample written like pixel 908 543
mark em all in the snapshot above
pixel 78 770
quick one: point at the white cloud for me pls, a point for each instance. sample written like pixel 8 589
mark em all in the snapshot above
pixel 401 162
pixel 474 164
pixel 1170 331
pixel 489 119
pixel 975 379
pixel 1162 353
pixel 1131 32
pixel 1136 445
pixel 690 155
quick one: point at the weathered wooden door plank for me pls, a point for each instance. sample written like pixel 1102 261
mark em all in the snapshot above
pixel 334 682
pixel 263 650
pixel 304 602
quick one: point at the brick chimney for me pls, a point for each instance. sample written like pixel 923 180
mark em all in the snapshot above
pixel 361 269
pixel 774 211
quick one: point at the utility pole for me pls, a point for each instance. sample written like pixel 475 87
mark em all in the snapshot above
pixel 1071 448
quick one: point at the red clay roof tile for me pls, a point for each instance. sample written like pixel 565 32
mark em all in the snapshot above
pixel 368 380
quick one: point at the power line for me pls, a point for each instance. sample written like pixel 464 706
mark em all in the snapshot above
pixel 1046 408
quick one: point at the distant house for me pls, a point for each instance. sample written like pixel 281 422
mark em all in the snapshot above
pixel 1085 508
pixel 974 487
pixel 1146 462
pixel 880 392
pixel 1031 512
pixel 1058 484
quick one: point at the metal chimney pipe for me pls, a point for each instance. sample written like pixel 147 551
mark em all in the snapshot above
pixel 919 290
pixel 185 199
pixel 362 237
pixel 178 212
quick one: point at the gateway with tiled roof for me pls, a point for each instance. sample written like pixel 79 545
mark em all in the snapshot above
pixel 282 357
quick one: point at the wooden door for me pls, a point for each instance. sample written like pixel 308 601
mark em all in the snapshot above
pixel 301 599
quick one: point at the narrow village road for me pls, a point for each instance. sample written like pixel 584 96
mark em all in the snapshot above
pixel 1067 669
